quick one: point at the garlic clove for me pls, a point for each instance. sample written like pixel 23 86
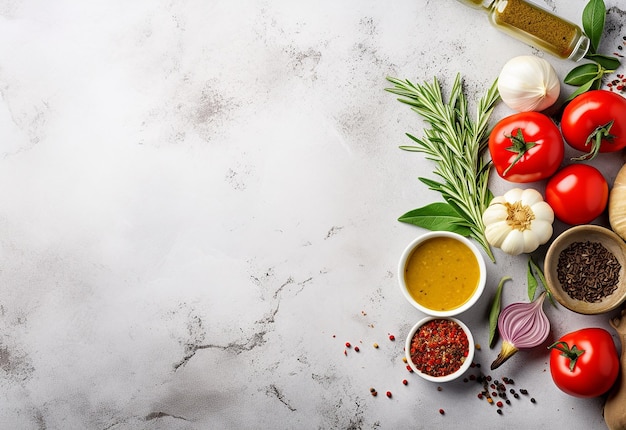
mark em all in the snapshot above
pixel 531 240
pixel 514 243
pixel 513 195
pixel 531 197
pixel 543 230
pixel 497 232
pixel 543 211
pixel 496 213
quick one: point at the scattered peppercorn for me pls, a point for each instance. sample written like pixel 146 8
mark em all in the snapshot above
pixel 389 394
pixel 375 345
pixel 523 391
pixel 439 389
pixel 348 345
pixel 356 348
pixel 392 337
pixel 532 400
pixel 372 390
pixel 405 382
pixel 409 369
pixel 499 411
pixel 499 404
pixel 374 393
pixel 404 359
pixel 477 346
pixel 441 411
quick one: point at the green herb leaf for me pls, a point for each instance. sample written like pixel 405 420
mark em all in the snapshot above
pixel 494 313
pixel 532 281
pixel 535 271
pixel 606 61
pixel 456 144
pixel 437 216
pixel 582 74
pixel 584 88
pixel 594 15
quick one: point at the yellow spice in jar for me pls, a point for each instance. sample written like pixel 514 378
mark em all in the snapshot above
pixel 549 31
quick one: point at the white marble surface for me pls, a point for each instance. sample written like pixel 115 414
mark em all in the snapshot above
pixel 198 209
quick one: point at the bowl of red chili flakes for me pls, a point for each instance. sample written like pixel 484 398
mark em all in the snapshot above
pixel 440 349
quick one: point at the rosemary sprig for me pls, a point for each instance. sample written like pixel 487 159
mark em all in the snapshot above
pixel 457 145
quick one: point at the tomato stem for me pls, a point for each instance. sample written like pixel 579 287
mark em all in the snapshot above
pixel 595 140
pixel 519 146
pixel 572 353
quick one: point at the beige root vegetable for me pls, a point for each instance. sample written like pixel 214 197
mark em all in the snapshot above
pixel 617 204
pixel 615 406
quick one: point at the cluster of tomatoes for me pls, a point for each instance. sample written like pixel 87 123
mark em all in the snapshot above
pixel 529 147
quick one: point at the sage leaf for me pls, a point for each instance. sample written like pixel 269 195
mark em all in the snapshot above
pixel 536 272
pixel 532 281
pixel 584 88
pixel 494 313
pixel 437 216
pixel 582 74
pixel 608 62
pixel 593 18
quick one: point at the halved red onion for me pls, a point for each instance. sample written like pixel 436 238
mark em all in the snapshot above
pixel 521 326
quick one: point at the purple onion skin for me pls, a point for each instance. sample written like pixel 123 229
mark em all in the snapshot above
pixel 522 326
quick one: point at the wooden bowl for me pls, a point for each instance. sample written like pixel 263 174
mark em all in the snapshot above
pixel 575 300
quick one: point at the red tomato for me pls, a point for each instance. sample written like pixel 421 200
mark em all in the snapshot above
pixel 577 194
pixel 595 121
pixel 584 363
pixel 526 147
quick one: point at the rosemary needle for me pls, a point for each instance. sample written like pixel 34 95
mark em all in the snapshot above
pixel 457 145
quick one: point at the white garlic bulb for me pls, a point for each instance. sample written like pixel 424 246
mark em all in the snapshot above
pixel 527 83
pixel 518 221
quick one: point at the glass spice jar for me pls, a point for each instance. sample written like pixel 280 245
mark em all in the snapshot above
pixel 535 26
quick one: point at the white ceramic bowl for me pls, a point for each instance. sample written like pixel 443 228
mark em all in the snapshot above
pixel 481 267
pixel 452 376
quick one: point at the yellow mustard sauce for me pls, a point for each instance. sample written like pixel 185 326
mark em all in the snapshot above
pixel 442 274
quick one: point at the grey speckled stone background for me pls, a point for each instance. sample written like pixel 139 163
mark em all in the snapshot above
pixel 198 209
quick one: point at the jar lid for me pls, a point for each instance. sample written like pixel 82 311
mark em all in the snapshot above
pixel 477 4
